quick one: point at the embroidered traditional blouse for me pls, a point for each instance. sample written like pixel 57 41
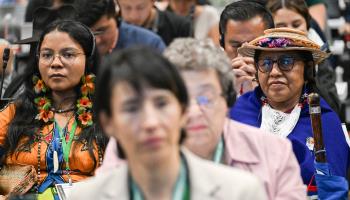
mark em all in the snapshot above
pixel 80 162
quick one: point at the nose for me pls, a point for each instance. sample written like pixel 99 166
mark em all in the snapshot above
pixel 56 61
pixel 275 71
pixel 150 118
pixel 194 110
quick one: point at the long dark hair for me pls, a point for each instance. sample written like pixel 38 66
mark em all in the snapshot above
pixel 138 66
pixel 24 125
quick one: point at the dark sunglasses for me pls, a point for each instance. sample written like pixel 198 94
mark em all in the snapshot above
pixel 284 63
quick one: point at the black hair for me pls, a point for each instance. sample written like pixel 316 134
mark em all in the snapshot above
pixel 90 11
pixel 24 125
pixel 298 6
pixel 138 66
pixel 243 11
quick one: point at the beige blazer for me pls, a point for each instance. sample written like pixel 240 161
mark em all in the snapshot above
pixel 208 181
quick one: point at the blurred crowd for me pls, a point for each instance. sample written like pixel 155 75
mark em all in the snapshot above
pixel 174 99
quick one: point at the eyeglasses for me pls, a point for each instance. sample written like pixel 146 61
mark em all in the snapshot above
pixel 284 63
pixel 66 56
pixel 207 101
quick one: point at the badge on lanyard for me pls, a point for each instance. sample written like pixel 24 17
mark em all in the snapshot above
pixel 63 190
pixel 310 143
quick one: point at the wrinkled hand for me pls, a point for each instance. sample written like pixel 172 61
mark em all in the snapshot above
pixel 244 71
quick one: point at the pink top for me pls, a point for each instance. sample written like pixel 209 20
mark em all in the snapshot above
pixel 267 156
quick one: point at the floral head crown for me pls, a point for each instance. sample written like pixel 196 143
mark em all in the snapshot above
pixel 84 104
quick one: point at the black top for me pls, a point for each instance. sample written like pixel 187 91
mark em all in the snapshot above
pixel 171 26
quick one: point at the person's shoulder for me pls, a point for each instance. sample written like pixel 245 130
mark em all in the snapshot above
pixel 173 18
pixel 265 142
pixel 101 185
pixel 138 30
pixel 7 108
pixel 232 182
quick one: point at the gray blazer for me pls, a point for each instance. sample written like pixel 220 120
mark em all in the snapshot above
pixel 208 181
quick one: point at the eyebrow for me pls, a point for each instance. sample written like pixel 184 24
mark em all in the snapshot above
pixel 64 49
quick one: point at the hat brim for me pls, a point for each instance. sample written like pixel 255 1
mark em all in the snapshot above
pixel 30 40
pixel 249 51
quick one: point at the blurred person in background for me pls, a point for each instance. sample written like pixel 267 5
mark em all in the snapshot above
pixel 204 18
pixel 317 9
pixel 35 4
pixel 241 22
pixel 9 69
pixel 294 14
pixel 164 23
pixel 142 102
pixel 113 33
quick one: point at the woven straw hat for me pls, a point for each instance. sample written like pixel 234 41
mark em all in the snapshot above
pixel 283 39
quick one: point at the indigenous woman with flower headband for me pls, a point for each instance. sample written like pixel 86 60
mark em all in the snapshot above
pixel 285 60
pixel 51 126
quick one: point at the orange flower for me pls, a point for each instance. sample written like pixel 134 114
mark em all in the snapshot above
pixel 85 102
pixel 39 86
pixel 89 78
pixel 85 118
pixel 42 101
pixel 45 115
pixel 87 89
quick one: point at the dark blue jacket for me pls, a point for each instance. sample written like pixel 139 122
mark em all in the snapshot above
pixel 131 35
pixel 248 110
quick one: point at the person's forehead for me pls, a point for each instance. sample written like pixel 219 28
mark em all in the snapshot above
pixel 201 79
pixel 245 31
pixel 277 53
pixel 134 2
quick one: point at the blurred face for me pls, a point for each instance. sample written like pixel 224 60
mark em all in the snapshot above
pixel 136 11
pixel 207 111
pixel 239 32
pixel 61 61
pixel 146 126
pixel 107 40
pixel 282 86
pixel 182 7
pixel 289 18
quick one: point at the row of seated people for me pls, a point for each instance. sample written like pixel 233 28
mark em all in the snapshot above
pixel 56 127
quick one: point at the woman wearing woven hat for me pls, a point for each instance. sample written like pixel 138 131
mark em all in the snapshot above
pixel 51 126
pixel 295 14
pixel 285 60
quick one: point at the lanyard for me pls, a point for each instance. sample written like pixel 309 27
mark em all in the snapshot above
pixel 181 190
pixel 219 151
pixel 67 146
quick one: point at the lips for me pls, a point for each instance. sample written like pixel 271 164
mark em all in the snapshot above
pixel 152 142
pixel 277 83
pixel 196 128
pixel 57 76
